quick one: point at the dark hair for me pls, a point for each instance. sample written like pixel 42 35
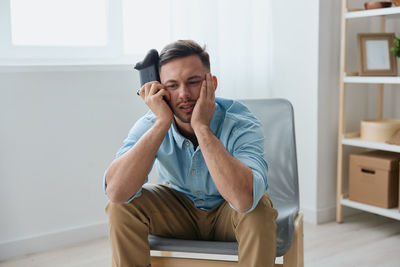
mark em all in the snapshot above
pixel 184 48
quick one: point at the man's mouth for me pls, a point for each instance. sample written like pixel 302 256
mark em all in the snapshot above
pixel 187 108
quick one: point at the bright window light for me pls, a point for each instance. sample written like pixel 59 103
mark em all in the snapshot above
pixel 146 25
pixel 59 22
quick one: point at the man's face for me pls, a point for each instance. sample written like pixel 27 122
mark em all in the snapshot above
pixel 182 77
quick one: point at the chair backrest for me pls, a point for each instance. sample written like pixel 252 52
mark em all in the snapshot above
pixel 277 119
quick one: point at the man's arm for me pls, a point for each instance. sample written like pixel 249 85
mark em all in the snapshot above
pixel 233 179
pixel 126 174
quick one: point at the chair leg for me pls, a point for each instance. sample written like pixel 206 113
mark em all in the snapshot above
pixel 295 256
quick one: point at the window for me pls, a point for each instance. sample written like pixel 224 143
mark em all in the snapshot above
pixel 119 32
pixel 59 22
pixel 60 32
pixel 146 25
pixel 69 32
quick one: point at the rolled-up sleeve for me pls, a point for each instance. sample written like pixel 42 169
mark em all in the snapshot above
pixel 135 133
pixel 248 148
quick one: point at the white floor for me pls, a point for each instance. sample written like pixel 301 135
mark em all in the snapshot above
pixel 362 240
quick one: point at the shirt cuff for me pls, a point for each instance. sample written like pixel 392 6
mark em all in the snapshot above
pixel 259 189
pixel 138 193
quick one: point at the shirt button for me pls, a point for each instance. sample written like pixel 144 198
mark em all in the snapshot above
pixel 193 171
pixel 198 192
pixel 199 202
pixel 187 143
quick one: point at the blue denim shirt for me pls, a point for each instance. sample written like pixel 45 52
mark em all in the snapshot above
pixel 185 169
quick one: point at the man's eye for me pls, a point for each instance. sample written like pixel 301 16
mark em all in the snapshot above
pixel 194 83
pixel 172 86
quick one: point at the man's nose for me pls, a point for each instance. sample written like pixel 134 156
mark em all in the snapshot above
pixel 184 92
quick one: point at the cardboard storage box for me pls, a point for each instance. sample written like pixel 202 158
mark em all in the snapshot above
pixel 374 178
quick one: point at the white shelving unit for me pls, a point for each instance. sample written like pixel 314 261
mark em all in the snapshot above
pixel 391 213
pixel 372 79
pixel 351 139
pixel 372 12
pixel 370 145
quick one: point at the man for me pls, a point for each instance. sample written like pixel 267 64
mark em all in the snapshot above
pixel 210 152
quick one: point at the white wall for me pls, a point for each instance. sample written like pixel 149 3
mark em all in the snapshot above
pixel 328 103
pixel 59 132
pixel 295 77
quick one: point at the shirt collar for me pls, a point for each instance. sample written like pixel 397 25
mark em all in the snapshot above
pixel 214 126
pixel 179 139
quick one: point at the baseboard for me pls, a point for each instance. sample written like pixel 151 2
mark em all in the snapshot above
pixel 323 215
pixel 310 215
pixel 66 237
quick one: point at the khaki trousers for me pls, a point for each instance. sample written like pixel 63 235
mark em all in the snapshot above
pixel 163 211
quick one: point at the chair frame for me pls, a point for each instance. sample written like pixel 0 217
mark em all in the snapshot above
pixel 293 258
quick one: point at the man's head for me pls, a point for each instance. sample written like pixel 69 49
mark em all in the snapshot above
pixel 184 48
pixel 183 67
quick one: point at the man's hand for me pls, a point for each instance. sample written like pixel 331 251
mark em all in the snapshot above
pixel 153 94
pixel 233 179
pixel 205 105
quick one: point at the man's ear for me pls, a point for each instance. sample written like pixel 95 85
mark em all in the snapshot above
pixel 215 82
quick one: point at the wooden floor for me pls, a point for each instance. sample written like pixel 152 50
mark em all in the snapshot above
pixel 362 240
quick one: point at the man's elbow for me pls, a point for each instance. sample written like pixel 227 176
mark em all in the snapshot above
pixel 243 207
pixel 115 196
pixel 244 197
pixel 244 204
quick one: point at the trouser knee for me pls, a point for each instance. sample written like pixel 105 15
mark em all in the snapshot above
pixel 122 213
pixel 262 214
pixel 117 213
pixel 256 233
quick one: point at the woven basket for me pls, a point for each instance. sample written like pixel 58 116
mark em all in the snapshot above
pixel 379 130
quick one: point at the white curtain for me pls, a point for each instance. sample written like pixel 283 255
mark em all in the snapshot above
pixel 238 37
pixel 237 34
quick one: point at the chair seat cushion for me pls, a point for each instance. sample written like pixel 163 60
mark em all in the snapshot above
pixel 284 236
pixel 192 246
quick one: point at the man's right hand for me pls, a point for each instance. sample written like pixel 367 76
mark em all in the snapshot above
pixel 153 94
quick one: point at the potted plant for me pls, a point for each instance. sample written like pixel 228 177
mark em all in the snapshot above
pixel 396 47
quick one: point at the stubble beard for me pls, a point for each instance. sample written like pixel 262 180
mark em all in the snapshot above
pixel 184 120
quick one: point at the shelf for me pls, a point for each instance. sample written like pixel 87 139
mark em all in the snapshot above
pixel 372 145
pixel 373 12
pixel 372 79
pixel 392 213
pixel 381 16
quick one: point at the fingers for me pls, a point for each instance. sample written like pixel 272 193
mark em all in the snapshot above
pixel 164 93
pixel 210 90
pixel 155 87
pixel 203 89
pixel 150 88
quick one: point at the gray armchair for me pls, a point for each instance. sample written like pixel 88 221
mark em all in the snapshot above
pixel 276 116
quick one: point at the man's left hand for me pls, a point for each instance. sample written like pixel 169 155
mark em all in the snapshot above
pixel 205 105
